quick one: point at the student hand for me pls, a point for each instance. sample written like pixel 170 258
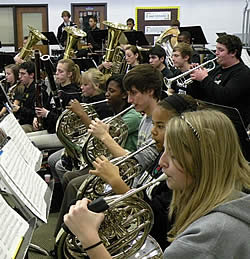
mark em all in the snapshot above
pixel 84 223
pixel 99 129
pixel 41 112
pixel 106 170
pixel 107 64
pixel 90 45
pixel 199 74
pixel 18 60
pixel 75 107
pixel 35 124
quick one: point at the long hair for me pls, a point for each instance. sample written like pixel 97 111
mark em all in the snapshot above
pixel 96 78
pixel 74 68
pixel 211 157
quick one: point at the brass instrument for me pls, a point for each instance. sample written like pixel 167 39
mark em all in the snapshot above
pixel 114 53
pixel 181 78
pixel 73 35
pixel 167 40
pixel 94 187
pixel 127 223
pixel 82 147
pixel 33 38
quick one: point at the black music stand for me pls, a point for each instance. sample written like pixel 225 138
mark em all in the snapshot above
pixel 5 99
pixel 85 63
pixel 221 34
pixel 6 59
pixel 52 40
pixel 197 35
pixel 236 119
pixel 136 38
pixel 99 36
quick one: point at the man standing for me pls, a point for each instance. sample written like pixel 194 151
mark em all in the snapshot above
pixel 227 84
pixel 61 34
pixel 93 27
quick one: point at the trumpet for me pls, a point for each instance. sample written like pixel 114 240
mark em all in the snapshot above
pixel 181 78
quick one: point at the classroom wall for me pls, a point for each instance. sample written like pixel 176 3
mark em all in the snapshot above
pixel 213 15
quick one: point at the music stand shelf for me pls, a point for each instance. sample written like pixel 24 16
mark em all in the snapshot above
pixel 136 38
pixel 52 40
pixel 197 34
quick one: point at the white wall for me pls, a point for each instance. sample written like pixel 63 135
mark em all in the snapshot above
pixel 213 15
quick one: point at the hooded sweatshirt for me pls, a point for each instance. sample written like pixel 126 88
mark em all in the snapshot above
pixel 223 234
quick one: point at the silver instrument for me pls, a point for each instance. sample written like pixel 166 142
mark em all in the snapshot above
pixel 181 78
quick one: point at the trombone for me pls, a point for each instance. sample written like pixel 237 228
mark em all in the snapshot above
pixel 181 78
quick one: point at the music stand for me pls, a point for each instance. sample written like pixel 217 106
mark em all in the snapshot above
pixel 236 119
pixel 6 59
pixel 197 35
pixel 221 34
pixel 99 36
pixel 5 99
pixel 52 40
pixel 85 63
pixel 136 38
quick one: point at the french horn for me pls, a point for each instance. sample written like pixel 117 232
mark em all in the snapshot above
pixel 82 147
pixel 94 187
pixel 124 231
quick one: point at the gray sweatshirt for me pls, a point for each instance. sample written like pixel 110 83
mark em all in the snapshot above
pixel 223 234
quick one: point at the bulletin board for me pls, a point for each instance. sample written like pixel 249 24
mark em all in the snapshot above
pixel 155 20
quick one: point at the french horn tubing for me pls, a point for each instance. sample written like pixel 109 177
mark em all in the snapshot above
pixel 94 187
pixel 127 223
pixel 117 129
pixel 181 78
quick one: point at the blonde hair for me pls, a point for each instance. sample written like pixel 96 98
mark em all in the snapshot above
pixel 74 68
pixel 95 77
pixel 214 162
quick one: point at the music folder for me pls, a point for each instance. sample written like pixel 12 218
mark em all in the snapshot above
pixel 85 63
pixel 235 117
pixel 197 34
pixel 52 40
pixel 136 38
pixel 99 36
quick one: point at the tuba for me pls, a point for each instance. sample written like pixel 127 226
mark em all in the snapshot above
pixel 73 35
pixel 33 38
pixel 114 53
pixel 124 231
pixel 167 40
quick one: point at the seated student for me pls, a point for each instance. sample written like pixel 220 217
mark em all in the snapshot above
pixel 92 85
pixel 25 110
pixel 133 56
pixel 68 78
pixel 207 205
pixel 13 88
pixel 157 58
pixel 181 57
pixel 185 37
pixel 160 196
pixel 143 86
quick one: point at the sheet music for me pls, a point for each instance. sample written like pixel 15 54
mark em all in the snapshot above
pixel 12 231
pixel 245 57
pixel 29 152
pixel 24 182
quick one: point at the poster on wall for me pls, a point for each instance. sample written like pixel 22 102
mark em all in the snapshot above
pixel 155 20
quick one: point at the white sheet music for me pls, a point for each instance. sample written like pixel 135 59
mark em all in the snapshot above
pixel 24 182
pixel 12 231
pixel 245 57
pixel 30 153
